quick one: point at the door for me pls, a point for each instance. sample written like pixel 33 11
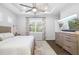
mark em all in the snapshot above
pixel 37 28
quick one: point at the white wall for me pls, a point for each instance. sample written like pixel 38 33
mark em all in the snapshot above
pixel 4 14
pixel 71 10
pixel 21 25
pixel 50 28
pixel 57 29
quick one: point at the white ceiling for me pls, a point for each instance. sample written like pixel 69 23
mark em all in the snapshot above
pixel 53 8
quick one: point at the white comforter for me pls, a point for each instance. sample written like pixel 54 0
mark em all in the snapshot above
pixel 18 45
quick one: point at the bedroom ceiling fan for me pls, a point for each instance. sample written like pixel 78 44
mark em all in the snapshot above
pixel 34 9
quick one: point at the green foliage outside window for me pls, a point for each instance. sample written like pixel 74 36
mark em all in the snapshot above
pixel 39 27
pixel 36 27
pixel 74 24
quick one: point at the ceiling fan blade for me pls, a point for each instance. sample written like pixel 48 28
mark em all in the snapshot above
pixel 40 10
pixel 25 5
pixel 28 10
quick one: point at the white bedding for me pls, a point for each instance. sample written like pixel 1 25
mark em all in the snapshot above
pixel 18 45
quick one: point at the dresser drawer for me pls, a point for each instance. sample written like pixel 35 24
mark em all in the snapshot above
pixel 70 47
pixel 59 43
pixel 69 43
pixel 70 38
pixel 69 34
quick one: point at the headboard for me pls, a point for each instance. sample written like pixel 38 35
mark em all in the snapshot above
pixel 4 29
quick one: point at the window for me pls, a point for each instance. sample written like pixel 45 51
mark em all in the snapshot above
pixel 10 20
pixel 36 25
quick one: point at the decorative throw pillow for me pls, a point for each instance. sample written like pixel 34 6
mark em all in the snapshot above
pixel 1 39
pixel 8 35
pixel 4 36
pixel 1 36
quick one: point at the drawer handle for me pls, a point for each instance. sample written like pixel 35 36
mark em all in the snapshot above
pixel 67 37
pixel 68 40
pixel 68 46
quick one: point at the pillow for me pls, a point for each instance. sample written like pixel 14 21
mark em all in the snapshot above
pixel 4 36
pixel 1 39
pixel 8 35
pixel 1 36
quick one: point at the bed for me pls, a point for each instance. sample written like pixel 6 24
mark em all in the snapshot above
pixel 15 45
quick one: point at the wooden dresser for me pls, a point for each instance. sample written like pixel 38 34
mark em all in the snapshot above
pixel 68 41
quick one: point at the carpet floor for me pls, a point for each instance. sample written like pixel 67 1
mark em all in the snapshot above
pixel 43 48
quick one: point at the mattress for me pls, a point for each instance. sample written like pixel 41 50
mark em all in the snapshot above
pixel 18 45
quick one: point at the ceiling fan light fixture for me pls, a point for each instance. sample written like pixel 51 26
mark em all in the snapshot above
pixel 34 10
pixel 45 12
pixel 24 8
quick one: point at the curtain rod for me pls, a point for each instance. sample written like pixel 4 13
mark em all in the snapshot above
pixel 35 17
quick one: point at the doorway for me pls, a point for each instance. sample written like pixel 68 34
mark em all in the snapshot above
pixel 37 27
